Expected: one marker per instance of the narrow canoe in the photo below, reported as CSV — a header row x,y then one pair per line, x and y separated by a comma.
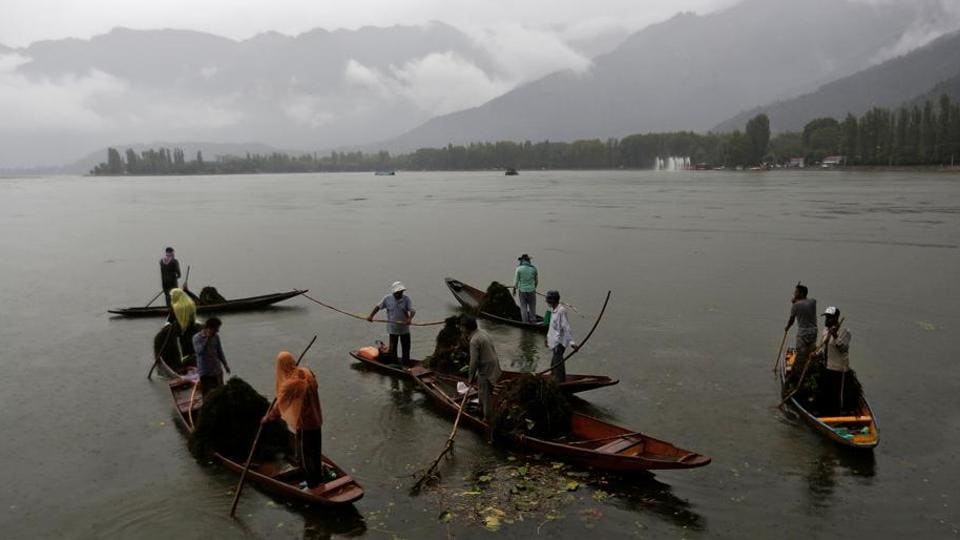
x,y
250,303
856,428
471,298
369,356
591,442
280,477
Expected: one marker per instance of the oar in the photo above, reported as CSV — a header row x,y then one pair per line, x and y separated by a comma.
x,y
780,352
585,339
156,357
256,439
152,300
186,278
807,365
447,447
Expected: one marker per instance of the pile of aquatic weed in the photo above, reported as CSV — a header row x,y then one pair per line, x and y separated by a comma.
x,y
811,387
166,346
531,405
228,422
499,302
209,295
451,354
536,491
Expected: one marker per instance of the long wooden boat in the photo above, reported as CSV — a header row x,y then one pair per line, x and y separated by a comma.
x,y
250,303
282,476
471,298
591,442
370,356
856,428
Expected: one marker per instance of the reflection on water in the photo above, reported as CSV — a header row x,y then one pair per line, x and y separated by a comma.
x,y
529,352
645,494
833,462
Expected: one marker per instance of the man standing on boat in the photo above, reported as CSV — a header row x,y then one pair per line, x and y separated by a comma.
x,y
400,313
484,363
210,358
559,336
298,403
169,272
804,312
837,351
525,283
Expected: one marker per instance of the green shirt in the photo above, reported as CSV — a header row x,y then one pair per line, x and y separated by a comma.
x,y
526,278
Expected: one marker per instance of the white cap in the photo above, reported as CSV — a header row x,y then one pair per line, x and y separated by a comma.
x,y
832,310
397,287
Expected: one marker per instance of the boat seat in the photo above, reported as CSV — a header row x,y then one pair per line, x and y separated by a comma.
x,y
843,419
617,446
334,484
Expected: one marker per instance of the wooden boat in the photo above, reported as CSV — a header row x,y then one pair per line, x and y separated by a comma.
x,y
238,304
471,298
591,442
857,429
280,477
510,171
369,356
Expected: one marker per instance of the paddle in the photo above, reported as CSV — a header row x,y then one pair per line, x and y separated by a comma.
x,y
256,439
807,365
430,473
152,300
585,339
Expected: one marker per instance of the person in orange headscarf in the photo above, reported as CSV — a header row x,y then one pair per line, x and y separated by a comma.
x,y
298,404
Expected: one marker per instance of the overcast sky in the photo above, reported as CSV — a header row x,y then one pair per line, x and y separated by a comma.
x,y
26,21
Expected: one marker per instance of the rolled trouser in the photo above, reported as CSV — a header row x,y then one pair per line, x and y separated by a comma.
x,y
528,306
557,368
486,399
404,340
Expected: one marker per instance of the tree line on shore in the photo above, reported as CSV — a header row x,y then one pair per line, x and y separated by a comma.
x,y
924,134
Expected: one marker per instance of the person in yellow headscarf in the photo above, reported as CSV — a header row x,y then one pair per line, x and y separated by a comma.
x,y
298,404
184,314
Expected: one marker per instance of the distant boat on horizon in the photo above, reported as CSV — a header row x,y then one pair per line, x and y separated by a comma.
x,y
510,171
385,173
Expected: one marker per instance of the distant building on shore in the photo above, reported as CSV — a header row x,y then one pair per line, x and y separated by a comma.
x,y
832,161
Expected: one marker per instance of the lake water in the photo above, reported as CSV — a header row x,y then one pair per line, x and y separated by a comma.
x,y
701,266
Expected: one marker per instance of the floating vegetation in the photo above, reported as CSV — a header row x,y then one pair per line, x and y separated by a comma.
x,y
498,301
451,354
228,422
532,405
537,491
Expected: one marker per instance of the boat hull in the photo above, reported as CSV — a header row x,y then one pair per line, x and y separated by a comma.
x,y
240,304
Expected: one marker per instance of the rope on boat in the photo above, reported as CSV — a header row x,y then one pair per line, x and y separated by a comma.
x,y
362,318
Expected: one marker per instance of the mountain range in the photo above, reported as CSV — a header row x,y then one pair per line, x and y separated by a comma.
x,y
690,72
924,73
405,87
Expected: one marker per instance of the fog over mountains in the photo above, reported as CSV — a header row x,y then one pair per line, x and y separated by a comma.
x,y
405,87
692,72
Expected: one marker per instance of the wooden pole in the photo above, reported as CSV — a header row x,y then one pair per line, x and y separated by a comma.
x,y
154,298
256,439
447,447
584,342
780,352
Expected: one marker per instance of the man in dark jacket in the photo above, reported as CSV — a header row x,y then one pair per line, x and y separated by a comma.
x,y
169,272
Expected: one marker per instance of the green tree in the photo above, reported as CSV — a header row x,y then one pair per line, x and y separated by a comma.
x,y
758,138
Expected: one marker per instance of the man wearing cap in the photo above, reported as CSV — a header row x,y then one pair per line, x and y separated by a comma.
x,y
525,284
837,351
169,272
804,312
559,336
484,363
400,313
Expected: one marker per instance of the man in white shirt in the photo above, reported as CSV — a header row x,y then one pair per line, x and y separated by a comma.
x,y
559,336
837,351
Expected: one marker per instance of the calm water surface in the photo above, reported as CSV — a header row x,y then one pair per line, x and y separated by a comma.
x,y
701,267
